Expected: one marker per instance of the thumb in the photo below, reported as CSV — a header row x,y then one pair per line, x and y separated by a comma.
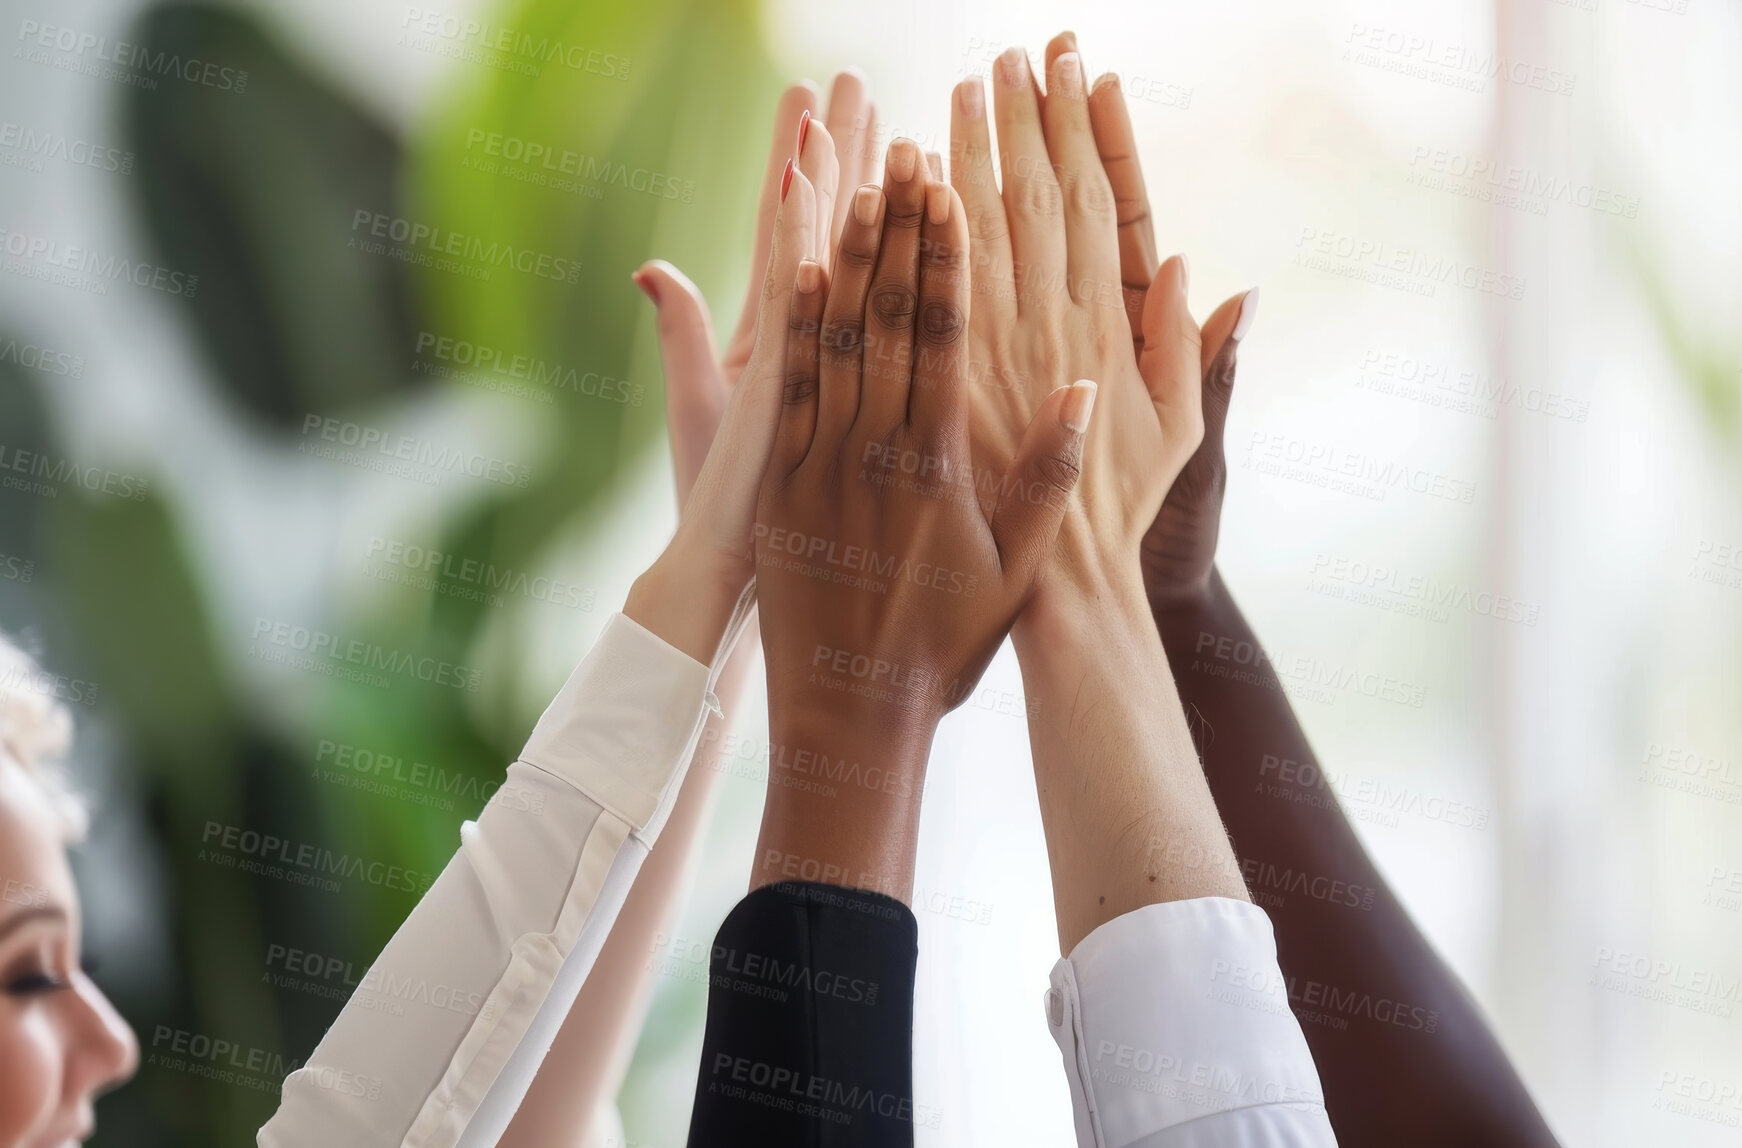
x,y
695,391
1223,332
1038,484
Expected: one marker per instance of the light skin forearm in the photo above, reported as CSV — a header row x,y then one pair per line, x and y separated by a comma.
x,y
1129,819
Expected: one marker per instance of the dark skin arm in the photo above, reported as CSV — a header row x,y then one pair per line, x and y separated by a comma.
x,y
1430,1072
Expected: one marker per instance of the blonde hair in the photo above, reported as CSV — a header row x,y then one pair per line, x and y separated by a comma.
x,y
36,731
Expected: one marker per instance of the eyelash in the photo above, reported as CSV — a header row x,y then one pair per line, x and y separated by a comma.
x,y
36,983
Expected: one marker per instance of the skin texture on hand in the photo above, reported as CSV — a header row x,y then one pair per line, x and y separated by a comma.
x,y
886,583
1433,1074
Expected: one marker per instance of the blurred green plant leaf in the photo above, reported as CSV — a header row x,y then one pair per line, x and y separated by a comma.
x,y
256,189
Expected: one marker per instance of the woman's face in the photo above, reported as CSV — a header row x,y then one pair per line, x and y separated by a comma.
x,y
61,1041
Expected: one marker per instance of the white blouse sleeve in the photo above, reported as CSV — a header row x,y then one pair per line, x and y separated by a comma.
x,y
1176,1033
440,1041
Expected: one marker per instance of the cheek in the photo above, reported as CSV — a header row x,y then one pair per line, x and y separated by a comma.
x,y
30,1085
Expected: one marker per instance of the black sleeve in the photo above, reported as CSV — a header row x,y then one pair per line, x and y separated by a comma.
x,y
810,1022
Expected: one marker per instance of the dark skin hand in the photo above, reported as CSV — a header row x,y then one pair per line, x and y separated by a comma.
x,y
1430,1072
886,580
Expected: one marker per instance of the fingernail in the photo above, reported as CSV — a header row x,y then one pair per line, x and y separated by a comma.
x,y
1070,39
1248,312
866,201
810,276
1074,411
1070,75
903,159
937,203
1106,78
649,287
1185,272
1013,67
971,98
785,181
804,127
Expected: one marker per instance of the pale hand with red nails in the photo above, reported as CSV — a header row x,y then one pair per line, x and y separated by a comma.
x,y
797,217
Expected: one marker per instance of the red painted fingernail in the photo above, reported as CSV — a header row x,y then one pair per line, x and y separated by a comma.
x,y
786,181
804,127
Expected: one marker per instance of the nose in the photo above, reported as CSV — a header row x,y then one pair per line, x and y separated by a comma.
x,y
103,1051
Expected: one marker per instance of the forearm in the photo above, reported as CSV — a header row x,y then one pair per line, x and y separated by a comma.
x,y
1444,1076
1129,820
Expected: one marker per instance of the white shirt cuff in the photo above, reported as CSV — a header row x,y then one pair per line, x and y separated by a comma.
x,y
1176,1031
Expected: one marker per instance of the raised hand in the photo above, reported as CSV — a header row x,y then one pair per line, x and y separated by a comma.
x,y
886,582
687,595
699,379
1047,304
1179,548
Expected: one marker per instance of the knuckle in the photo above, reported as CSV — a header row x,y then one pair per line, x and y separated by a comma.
x,y
904,215
893,304
940,323
844,336
859,248
1059,471
1090,194
799,387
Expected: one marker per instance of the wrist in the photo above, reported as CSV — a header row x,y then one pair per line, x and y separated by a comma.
x,y
686,599
1076,599
843,801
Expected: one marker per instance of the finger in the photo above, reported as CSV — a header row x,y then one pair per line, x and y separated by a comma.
x,y
794,102
1058,46
934,163
1031,191
848,119
887,357
798,407
816,158
1091,229
843,335
1170,364
1117,145
793,238
971,175
1037,486
937,403
695,392
1223,331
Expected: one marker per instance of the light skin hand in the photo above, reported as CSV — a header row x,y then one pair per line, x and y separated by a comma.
x,y
1122,798
687,595
1047,301
887,587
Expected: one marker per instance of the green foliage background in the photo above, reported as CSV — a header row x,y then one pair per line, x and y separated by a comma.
x,y
256,192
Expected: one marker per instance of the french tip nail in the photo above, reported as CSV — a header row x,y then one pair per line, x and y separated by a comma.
x,y
1074,411
786,180
1248,313
804,127
642,279
1185,271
